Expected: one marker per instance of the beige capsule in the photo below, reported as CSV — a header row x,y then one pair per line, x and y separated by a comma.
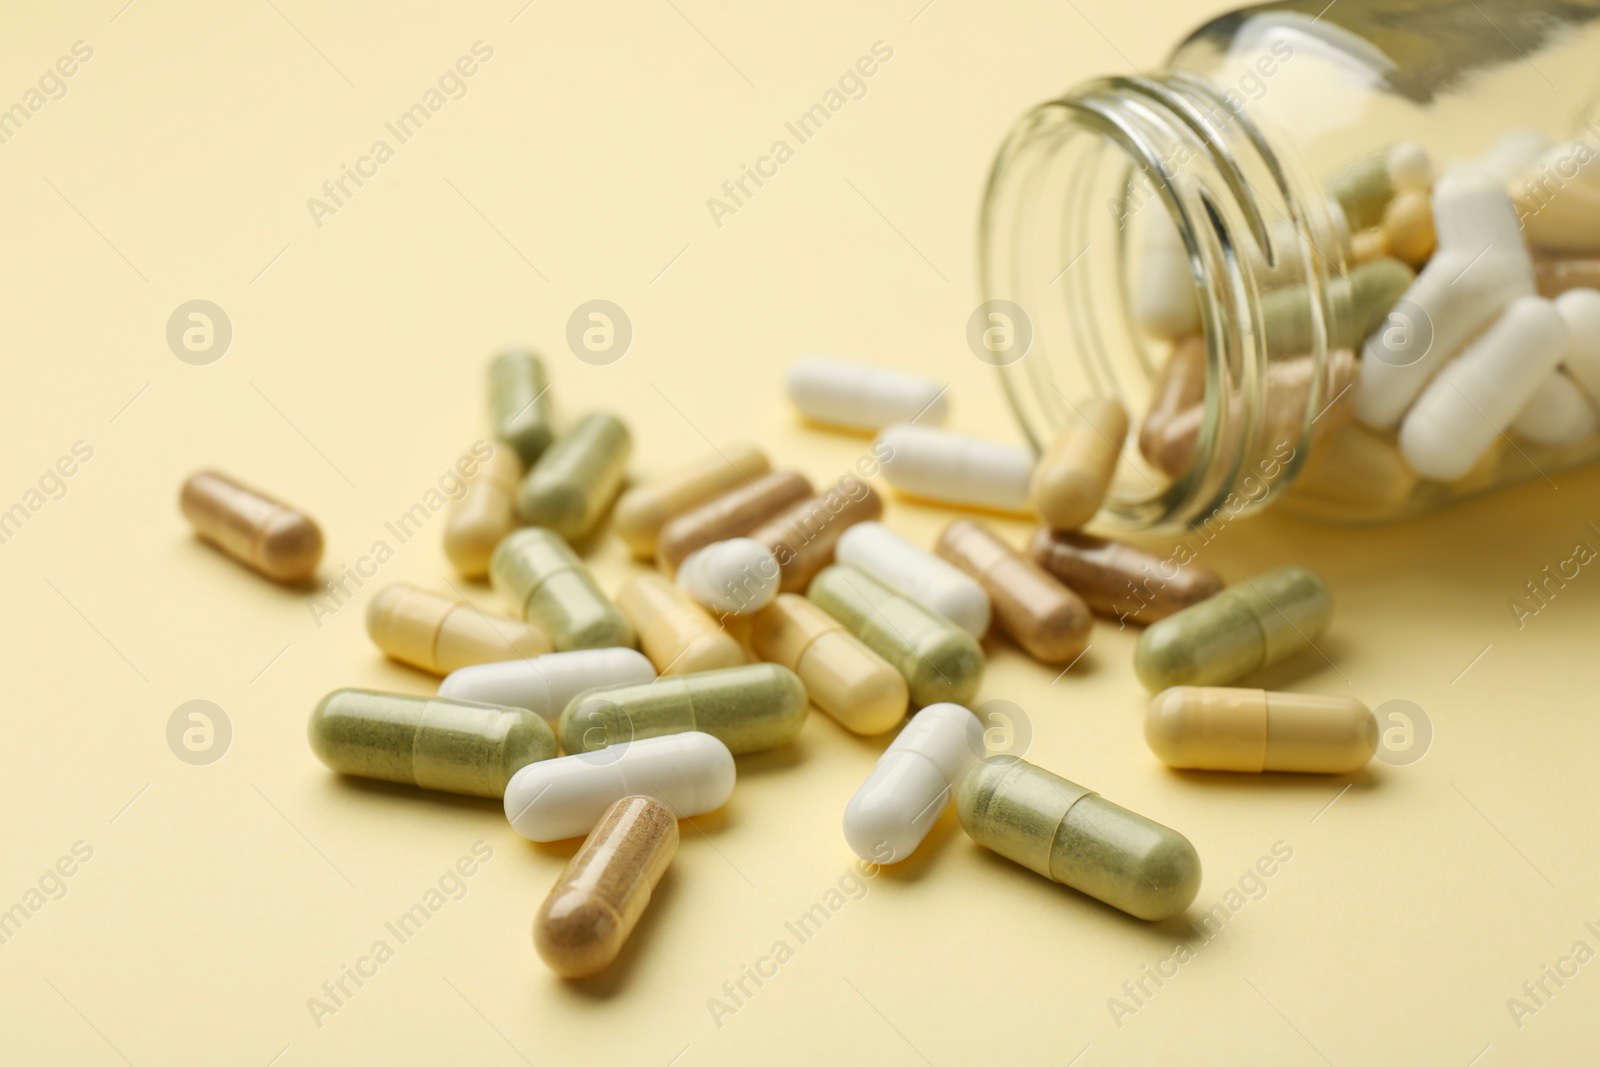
x,y
1120,581
844,677
1179,388
1251,730
1408,227
802,538
644,509
268,537
485,513
1072,477
1369,245
733,514
676,633
1047,619
1554,275
439,635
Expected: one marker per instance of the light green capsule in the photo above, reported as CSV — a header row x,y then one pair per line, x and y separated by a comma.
x,y
940,661
1362,190
519,403
749,709
573,483
1242,629
1075,836
1367,296
550,586
453,745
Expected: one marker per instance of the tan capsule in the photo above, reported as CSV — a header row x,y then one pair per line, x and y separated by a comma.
x,y
1071,478
1120,581
485,514
844,677
1408,227
266,536
676,634
802,538
1554,275
1251,730
1047,619
595,904
644,509
733,514
1178,389
1368,245
439,635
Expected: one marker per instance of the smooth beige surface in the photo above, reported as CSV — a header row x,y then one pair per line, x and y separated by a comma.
x,y
219,898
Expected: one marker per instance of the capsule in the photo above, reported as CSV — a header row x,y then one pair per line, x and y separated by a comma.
x,y
1244,628
644,509
519,403
1072,477
738,576
1119,581
1252,730
577,478
1408,227
950,469
450,745
859,397
595,904
1047,619
802,538
843,677
733,514
690,773
1179,389
938,659
268,537
1078,838
484,514
912,783
440,635
540,573
915,574
674,631
546,684
750,709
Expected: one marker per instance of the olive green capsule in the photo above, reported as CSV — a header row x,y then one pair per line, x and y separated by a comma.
x,y
573,483
1075,836
519,403
939,660
1367,296
453,745
748,708
550,586
1242,629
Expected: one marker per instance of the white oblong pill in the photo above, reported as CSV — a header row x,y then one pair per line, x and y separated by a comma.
x,y
943,466
738,576
918,575
1164,299
544,684
1581,309
913,782
691,773
1557,414
1408,165
863,397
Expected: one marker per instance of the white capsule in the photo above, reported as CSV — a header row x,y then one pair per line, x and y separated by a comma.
x,y
739,576
1409,166
1558,414
1476,396
862,397
918,575
545,684
912,784
943,466
691,773
1581,310
1164,300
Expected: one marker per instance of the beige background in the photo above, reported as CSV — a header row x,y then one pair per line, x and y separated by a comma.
x,y
219,898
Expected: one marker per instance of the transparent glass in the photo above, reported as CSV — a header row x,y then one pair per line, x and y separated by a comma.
x,y
1216,243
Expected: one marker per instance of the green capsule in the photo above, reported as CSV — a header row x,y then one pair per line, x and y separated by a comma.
x,y
550,586
1366,297
1242,629
940,661
453,745
749,709
1362,190
1075,836
519,403
573,483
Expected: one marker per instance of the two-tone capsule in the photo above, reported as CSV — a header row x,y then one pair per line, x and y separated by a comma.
x,y
486,512
860,397
674,631
519,403
1072,477
921,576
802,538
440,635
1119,581
268,537
912,783
733,514
546,684
1251,730
551,587
577,478
749,709
645,508
1047,619
843,677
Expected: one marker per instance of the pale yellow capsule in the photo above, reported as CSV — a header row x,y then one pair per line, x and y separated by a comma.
x,y
643,510
440,635
1071,478
1369,245
845,678
1251,730
676,634
485,514
1408,227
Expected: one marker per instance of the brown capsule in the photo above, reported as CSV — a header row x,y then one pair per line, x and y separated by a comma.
x,y
1178,390
677,634
1071,478
485,513
640,512
803,537
266,536
1047,619
1120,581
595,904
732,514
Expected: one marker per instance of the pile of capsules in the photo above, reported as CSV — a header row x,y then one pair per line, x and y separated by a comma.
x,y
771,595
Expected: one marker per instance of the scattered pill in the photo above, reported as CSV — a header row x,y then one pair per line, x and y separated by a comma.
x,y
738,576
449,745
1408,228
1164,302
1047,619
439,635
1558,414
519,403
1368,245
802,538
546,684
1363,188
644,509
268,537
948,468
595,904
1369,292
577,478
921,576
861,397
486,512
749,709
1251,730
550,586
843,677
733,514
674,631
1072,477
1120,581
912,783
